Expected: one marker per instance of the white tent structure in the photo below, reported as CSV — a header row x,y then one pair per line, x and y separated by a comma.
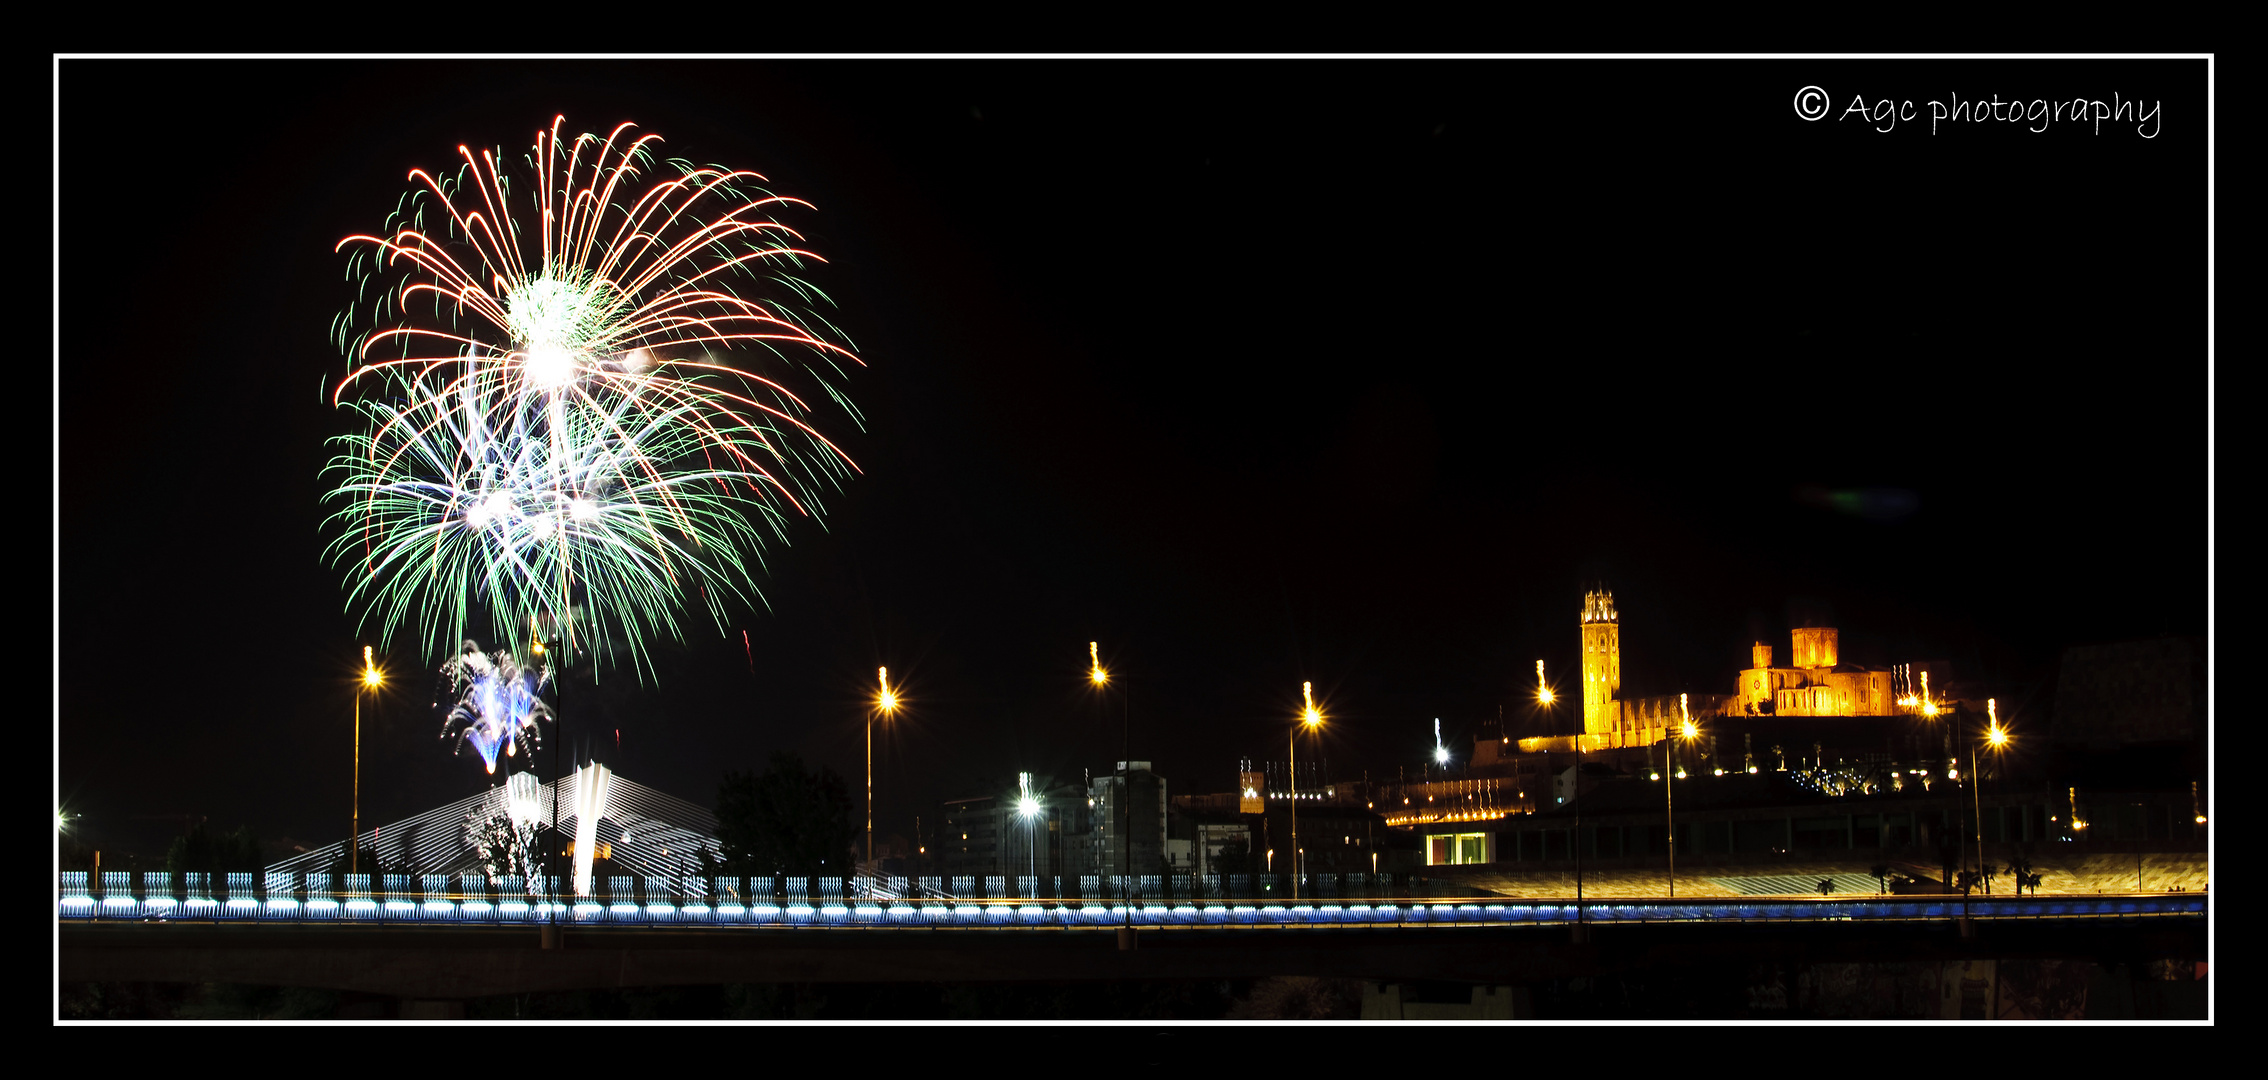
x,y
633,828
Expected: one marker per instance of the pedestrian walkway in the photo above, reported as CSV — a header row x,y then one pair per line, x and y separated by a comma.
x,y
2061,873
1790,885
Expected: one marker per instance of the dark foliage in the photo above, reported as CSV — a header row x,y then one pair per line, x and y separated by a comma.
x,y
202,851
365,861
788,820
2020,868
1235,858
192,1001
1300,997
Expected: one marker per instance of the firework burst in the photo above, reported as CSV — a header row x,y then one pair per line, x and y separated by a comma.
x,y
502,702
586,397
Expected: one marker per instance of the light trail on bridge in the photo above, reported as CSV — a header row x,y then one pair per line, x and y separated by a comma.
x,y
436,902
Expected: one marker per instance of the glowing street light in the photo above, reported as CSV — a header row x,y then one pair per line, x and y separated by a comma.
x,y
1099,678
1672,772
1311,719
1543,691
372,679
1028,808
1995,738
885,703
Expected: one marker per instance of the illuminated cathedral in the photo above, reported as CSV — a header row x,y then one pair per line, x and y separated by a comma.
x,y
1817,684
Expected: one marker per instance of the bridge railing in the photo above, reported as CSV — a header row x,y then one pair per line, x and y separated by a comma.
x,y
1000,901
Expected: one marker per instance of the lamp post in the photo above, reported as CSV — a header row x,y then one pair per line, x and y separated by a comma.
x,y
1671,770
1996,738
372,679
555,850
1027,808
1544,699
2142,819
885,702
1311,719
1575,792
1669,817
1100,677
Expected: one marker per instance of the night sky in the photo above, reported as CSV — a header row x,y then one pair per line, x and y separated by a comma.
x,y
1353,371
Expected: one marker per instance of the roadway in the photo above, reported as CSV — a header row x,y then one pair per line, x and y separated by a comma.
x,y
460,961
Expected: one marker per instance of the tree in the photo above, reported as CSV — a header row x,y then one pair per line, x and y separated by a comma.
x,y
1235,858
1948,853
366,861
201,852
788,820
1300,997
2020,868
1826,886
1881,875
711,869
505,848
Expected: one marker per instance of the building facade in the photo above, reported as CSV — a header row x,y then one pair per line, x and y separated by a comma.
x,y
1818,684
992,835
1610,720
1128,822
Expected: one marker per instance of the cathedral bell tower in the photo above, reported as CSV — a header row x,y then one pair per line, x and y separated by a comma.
x,y
1602,662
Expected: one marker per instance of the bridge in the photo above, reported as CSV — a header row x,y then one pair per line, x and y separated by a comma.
x,y
438,940
1332,901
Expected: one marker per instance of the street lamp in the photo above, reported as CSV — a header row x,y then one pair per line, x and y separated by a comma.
x,y
1671,771
372,679
2142,819
1028,808
885,703
1100,678
1311,719
1995,738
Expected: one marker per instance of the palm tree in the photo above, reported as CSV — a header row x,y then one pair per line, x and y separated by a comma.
x,y
2020,868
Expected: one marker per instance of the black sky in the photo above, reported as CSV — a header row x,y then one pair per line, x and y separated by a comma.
x,y
1255,371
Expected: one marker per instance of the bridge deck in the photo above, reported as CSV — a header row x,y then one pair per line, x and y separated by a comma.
x,y
440,909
